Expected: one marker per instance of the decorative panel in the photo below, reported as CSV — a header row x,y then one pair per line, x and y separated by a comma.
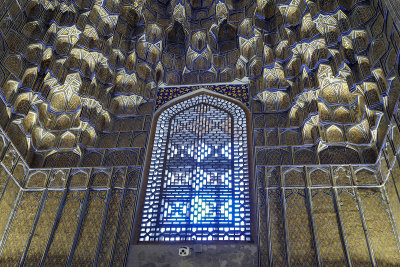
x,y
198,184
237,91
392,190
108,238
90,230
21,226
300,232
80,81
277,228
380,226
327,228
263,227
125,227
42,231
63,237
8,203
356,238
3,179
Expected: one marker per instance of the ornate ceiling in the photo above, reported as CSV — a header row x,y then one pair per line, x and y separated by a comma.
x,y
80,80
77,76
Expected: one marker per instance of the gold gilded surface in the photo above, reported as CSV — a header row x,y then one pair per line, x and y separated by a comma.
x,y
80,80
110,230
301,245
65,230
20,171
380,228
21,227
277,227
10,157
327,228
7,203
3,178
37,178
100,177
58,178
79,177
392,189
262,227
353,228
126,223
43,228
319,176
85,251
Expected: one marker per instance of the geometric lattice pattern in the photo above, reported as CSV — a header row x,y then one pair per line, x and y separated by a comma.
x,y
64,216
323,214
80,80
236,90
198,184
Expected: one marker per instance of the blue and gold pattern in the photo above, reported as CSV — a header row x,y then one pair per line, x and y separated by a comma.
x,y
77,87
237,91
201,190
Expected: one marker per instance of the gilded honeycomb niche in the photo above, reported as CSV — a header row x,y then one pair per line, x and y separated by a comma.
x,y
81,80
89,70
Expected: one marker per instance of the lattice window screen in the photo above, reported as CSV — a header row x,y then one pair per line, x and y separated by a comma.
x,y
198,183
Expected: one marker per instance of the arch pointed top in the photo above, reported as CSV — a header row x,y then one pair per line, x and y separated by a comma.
x,y
236,92
198,92
198,157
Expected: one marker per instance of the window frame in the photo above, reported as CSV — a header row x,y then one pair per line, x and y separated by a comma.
x,y
146,170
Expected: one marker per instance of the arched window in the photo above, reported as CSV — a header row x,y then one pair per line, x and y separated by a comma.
x,y
198,185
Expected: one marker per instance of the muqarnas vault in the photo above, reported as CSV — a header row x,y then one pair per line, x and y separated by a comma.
x,y
84,83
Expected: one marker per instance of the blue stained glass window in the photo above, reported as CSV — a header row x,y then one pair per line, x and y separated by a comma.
x,y
198,183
